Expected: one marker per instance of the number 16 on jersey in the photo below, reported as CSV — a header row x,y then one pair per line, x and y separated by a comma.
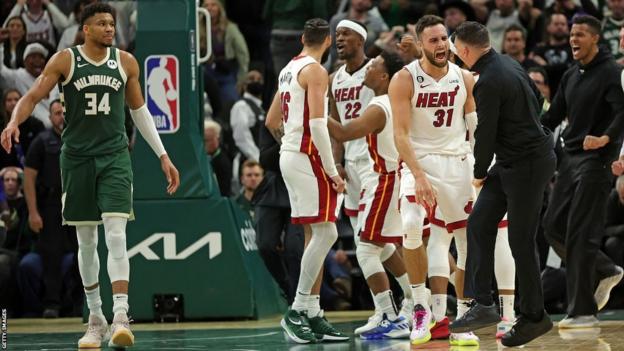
x,y
284,100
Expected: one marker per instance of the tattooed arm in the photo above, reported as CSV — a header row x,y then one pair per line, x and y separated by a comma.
x,y
274,122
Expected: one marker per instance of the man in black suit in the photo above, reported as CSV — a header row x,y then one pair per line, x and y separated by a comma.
x,y
282,256
508,108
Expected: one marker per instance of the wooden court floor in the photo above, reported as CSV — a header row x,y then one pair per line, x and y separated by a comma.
x,y
62,334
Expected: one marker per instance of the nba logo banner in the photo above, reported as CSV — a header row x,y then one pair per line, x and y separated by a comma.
x,y
162,91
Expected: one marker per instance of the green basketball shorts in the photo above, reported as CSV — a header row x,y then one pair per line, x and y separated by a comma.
x,y
96,187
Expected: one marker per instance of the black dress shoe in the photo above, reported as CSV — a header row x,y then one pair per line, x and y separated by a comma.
x,y
525,330
478,316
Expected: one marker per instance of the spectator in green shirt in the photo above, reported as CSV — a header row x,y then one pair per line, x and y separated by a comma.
x,y
251,176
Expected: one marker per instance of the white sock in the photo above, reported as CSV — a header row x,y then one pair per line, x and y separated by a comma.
x,y
314,305
507,307
301,302
94,302
439,306
386,303
462,307
405,286
120,303
419,294
377,308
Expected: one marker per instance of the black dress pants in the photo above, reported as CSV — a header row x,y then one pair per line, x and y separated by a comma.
x,y
282,259
517,189
575,222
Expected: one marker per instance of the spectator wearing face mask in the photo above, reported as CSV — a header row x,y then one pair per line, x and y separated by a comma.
x,y
247,116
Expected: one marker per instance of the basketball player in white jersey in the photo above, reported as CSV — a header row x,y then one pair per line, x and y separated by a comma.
x,y
348,98
381,218
310,175
429,99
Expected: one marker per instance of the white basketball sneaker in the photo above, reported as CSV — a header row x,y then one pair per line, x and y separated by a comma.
x,y
372,323
407,307
464,339
388,329
121,336
97,332
421,325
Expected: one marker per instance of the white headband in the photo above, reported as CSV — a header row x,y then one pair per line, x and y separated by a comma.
x,y
353,26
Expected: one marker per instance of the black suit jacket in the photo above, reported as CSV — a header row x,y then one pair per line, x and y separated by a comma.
x,y
271,191
508,107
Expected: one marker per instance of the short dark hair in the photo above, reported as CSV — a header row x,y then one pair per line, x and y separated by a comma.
x,y
473,34
250,164
427,21
516,28
592,22
93,9
392,62
540,70
550,18
55,101
315,31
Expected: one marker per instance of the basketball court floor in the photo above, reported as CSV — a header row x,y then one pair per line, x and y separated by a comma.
x,y
62,334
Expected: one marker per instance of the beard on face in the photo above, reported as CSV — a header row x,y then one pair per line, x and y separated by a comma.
x,y
560,36
431,58
345,54
105,44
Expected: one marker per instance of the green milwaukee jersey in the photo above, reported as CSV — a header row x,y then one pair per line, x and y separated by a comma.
x,y
94,98
611,36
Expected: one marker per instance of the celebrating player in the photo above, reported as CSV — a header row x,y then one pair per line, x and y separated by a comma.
x,y
429,101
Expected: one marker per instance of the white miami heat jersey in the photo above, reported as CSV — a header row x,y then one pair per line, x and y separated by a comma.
x,y
437,121
294,105
381,146
351,98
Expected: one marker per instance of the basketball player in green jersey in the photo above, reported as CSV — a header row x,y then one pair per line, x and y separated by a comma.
x,y
96,80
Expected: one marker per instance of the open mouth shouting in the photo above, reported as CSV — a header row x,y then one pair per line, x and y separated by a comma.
x,y
576,50
340,47
441,55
